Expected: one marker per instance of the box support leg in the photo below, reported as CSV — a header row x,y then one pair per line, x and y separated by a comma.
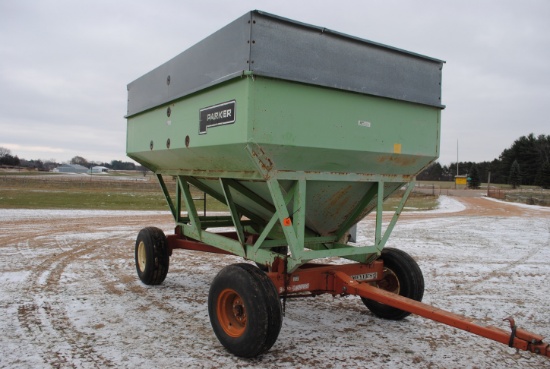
x,y
235,216
380,240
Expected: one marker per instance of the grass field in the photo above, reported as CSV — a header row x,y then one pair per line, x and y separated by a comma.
x,y
85,192
122,191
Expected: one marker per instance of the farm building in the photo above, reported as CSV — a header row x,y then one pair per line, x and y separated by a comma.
x,y
99,169
71,168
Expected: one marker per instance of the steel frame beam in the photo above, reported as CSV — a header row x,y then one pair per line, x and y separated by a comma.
x,y
288,208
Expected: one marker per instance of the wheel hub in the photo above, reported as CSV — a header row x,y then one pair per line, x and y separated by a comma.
x,y
231,313
238,311
389,281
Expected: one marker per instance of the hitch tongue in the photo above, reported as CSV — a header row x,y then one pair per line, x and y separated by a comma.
x,y
519,338
533,342
513,327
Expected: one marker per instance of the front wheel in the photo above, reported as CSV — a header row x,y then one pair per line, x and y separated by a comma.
x,y
151,256
402,276
245,311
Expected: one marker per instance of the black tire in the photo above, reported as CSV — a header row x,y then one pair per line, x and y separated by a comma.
x,y
245,310
151,256
403,276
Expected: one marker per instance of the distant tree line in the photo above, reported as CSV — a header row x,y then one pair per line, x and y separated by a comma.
x,y
526,162
114,164
7,159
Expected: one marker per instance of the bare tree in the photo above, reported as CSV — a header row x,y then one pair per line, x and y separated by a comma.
x,y
81,161
4,152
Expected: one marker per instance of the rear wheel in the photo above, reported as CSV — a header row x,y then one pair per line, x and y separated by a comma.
x,y
402,276
245,311
151,256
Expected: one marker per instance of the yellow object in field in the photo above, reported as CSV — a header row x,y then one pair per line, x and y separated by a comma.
x,y
461,180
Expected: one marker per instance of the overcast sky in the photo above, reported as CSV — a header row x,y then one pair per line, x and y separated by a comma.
x,y
64,65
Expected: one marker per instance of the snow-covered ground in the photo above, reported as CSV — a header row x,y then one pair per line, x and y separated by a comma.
x,y
69,296
445,205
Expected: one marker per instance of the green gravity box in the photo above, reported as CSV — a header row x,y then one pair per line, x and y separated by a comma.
x,y
297,121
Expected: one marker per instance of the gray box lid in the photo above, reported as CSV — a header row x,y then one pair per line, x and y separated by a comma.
x,y
272,46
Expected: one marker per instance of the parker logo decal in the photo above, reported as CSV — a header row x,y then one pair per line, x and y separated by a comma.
x,y
216,115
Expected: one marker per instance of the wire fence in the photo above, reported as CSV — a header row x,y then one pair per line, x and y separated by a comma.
x,y
529,196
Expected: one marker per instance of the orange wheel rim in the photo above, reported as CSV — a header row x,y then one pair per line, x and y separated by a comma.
x,y
231,313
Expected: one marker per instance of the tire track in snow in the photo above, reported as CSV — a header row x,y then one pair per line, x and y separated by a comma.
x,y
506,267
179,300
45,320
185,338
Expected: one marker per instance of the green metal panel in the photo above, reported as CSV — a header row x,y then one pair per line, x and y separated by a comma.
x,y
220,148
308,128
298,128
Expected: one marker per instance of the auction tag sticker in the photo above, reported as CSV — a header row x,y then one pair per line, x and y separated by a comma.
x,y
365,277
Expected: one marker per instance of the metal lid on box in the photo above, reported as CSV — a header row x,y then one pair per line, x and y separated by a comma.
x,y
271,46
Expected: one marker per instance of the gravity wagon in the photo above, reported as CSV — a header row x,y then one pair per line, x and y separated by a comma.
x,y
301,132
